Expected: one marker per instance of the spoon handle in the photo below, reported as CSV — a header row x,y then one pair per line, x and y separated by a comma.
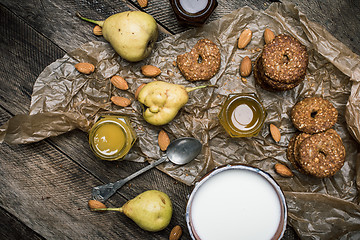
x,y
104,192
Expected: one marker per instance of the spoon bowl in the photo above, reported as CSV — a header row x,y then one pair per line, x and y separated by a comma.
x,y
183,150
180,152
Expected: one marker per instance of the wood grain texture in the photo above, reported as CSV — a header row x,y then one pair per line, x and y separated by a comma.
x,y
46,185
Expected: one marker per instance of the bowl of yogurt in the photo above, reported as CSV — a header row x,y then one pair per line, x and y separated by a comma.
x,y
236,202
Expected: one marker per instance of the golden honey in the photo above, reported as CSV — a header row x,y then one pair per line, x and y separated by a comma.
x,y
242,115
112,137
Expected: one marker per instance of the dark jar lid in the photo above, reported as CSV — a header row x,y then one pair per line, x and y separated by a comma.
x,y
193,12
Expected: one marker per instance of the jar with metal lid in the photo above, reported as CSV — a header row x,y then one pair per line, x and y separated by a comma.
x,y
193,12
112,137
242,115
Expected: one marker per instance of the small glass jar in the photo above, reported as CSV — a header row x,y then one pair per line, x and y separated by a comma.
x,y
193,12
112,137
242,115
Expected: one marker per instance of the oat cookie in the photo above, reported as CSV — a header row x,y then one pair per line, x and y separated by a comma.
x,y
201,63
314,115
322,154
299,139
285,59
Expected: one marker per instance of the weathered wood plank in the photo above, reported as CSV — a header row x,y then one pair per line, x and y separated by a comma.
x,y
11,228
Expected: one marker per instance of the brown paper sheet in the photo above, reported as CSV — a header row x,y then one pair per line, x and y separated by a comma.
x,y
64,99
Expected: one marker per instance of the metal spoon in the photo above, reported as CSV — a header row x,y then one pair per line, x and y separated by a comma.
x,y
180,152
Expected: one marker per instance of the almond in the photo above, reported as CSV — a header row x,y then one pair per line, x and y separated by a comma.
x,y
245,38
85,68
119,82
175,233
138,90
121,101
142,3
283,170
97,30
268,35
150,71
94,204
163,140
275,133
245,67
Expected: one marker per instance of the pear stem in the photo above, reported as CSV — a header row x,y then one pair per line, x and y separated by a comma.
x,y
189,89
100,23
108,209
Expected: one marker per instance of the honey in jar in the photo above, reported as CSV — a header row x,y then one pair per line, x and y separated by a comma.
x,y
111,137
193,12
242,115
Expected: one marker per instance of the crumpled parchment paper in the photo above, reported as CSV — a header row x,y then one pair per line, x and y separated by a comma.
x,y
63,99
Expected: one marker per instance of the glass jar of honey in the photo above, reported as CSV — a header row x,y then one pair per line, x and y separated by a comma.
x,y
112,137
242,115
193,12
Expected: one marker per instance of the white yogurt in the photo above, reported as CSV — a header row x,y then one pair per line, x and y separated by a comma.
x,y
235,204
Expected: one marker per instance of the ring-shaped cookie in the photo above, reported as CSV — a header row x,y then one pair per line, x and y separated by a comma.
x,y
201,63
322,154
285,59
314,115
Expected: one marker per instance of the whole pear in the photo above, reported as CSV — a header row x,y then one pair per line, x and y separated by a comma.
x,y
132,33
163,100
150,210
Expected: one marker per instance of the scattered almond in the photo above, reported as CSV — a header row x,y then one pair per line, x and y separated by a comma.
x,y
94,204
283,170
150,70
268,35
119,82
85,68
275,133
97,30
163,140
121,101
175,233
245,67
245,38
143,3
138,90
244,80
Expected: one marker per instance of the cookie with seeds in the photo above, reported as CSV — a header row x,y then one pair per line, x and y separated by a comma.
x,y
314,115
322,154
285,59
201,63
298,140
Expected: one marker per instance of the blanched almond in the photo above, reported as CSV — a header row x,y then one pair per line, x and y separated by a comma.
x,y
85,68
245,38
150,70
121,101
119,82
163,140
275,133
283,170
245,67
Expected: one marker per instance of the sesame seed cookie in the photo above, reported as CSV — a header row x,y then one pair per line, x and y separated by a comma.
x,y
322,154
201,63
314,115
285,59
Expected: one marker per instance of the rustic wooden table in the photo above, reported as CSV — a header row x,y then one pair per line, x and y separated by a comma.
x,y
45,186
